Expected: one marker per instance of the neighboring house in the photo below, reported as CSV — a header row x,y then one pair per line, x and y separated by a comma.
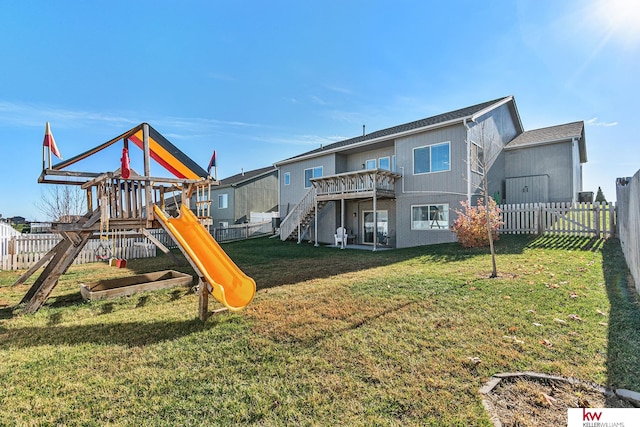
x,y
238,196
399,186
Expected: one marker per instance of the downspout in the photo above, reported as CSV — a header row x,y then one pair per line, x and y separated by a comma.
x,y
468,141
576,187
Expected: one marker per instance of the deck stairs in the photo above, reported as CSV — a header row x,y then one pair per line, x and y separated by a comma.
x,y
298,221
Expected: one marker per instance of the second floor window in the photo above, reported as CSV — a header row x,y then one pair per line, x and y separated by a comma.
x,y
223,201
477,158
287,178
311,173
432,158
384,163
370,164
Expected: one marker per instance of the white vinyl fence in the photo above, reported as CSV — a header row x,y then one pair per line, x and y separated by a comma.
x,y
6,233
21,251
575,219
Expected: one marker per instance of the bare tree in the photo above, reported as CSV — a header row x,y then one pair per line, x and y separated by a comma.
x,y
484,151
62,203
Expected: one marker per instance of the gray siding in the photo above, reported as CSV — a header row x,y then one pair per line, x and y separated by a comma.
x,y
554,160
448,187
493,131
290,195
446,181
259,195
225,215
406,237
528,189
356,161
256,195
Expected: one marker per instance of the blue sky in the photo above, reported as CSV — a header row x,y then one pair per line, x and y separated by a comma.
x,y
263,81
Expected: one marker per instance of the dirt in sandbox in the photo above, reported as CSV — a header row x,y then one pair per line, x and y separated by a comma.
x,y
540,402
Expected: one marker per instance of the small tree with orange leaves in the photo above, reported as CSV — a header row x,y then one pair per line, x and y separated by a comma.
x,y
471,225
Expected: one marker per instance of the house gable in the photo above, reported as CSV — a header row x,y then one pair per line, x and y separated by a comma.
x,y
553,155
440,120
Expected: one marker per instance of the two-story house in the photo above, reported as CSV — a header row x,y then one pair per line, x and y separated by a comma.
x,y
399,186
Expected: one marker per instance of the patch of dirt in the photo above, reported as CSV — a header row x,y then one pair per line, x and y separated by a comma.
x,y
524,401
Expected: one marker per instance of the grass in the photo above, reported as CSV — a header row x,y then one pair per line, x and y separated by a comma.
x,y
332,337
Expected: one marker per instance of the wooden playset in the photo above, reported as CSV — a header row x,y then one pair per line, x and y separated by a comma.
x,y
123,201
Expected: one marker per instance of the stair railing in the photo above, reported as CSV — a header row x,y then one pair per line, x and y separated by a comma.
x,y
293,220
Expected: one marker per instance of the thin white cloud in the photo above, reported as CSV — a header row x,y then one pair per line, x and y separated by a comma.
x,y
35,115
199,123
318,100
339,89
594,122
221,77
25,114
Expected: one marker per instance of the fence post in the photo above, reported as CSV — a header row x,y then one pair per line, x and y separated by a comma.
x,y
598,206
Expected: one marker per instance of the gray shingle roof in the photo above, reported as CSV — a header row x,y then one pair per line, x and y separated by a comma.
x,y
546,135
241,177
429,121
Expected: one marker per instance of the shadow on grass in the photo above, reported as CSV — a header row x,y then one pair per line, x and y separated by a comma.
x,y
623,351
273,263
130,334
574,243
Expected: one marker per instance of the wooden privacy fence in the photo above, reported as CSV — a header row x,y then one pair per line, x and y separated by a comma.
x,y
575,219
24,250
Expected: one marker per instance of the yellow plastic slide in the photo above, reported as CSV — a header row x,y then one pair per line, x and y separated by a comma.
x,y
230,285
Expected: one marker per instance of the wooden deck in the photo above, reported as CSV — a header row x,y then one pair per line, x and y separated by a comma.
x,y
364,184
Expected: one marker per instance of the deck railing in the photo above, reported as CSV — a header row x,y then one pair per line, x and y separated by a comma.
x,y
354,183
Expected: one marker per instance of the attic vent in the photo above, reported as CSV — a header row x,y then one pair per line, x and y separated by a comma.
x,y
363,130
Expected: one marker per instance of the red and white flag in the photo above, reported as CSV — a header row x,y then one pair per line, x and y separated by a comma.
x,y
50,142
212,162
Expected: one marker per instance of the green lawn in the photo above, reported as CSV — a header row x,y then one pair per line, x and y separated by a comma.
x,y
333,337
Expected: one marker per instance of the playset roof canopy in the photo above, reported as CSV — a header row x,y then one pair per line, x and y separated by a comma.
x,y
160,149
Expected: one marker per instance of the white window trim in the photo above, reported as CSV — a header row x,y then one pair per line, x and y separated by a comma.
x,y
304,174
413,155
375,164
475,163
447,228
394,166
385,157
287,178
226,199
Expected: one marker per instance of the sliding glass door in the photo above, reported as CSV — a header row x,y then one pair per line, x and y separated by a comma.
x,y
369,227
